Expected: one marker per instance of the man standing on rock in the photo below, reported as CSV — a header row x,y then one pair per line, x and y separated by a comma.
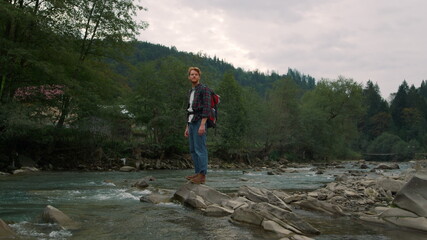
x,y
196,129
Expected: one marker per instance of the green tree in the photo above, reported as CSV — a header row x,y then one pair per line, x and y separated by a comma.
x,y
284,117
232,124
59,45
408,110
160,102
389,147
329,117
399,103
258,119
376,118
423,89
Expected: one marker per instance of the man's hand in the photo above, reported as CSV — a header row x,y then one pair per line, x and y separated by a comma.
x,y
186,132
202,129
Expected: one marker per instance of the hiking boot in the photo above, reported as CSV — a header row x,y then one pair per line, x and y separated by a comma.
x,y
191,176
199,179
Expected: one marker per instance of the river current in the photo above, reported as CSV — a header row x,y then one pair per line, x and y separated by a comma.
x,y
109,208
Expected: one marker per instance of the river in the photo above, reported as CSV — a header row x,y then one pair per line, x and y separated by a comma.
x,y
109,208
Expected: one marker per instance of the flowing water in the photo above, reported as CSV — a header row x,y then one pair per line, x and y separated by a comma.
x,y
109,208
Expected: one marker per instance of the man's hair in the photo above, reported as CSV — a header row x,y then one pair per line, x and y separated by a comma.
x,y
195,69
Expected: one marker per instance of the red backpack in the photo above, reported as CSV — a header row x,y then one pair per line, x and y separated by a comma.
x,y
215,100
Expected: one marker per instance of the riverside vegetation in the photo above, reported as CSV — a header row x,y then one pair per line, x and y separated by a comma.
x,y
82,93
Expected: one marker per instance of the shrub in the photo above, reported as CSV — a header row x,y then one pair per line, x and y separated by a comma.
x,y
388,147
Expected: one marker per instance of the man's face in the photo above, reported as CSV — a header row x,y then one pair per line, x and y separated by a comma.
x,y
194,77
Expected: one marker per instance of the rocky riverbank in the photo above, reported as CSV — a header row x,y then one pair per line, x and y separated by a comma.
x,y
370,194
393,201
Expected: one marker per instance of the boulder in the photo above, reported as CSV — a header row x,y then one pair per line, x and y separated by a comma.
x,y
195,201
281,194
413,195
215,210
274,227
321,206
351,194
155,198
276,201
54,215
379,210
341,178
26,170
195,194
30,169
390,184
419,223
143,182
370,193
372,219
6,232
265,211
127,169
364,166
396,212
253,194
300,237
246,215
284,217
388,167
262,195
295,198
235,203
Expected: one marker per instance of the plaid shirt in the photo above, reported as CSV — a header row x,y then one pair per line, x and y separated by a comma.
x,y
202,102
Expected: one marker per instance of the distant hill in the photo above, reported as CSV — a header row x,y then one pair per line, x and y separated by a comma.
x,y
147,52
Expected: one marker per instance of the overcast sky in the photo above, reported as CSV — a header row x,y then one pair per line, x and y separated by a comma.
x,y
379,40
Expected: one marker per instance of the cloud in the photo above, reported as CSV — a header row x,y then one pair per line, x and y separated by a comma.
x,y
378,40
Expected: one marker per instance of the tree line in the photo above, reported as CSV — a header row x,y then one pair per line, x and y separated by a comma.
x,y
77,88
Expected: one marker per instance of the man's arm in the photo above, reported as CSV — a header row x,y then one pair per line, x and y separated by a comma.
x,y
206,104
202,128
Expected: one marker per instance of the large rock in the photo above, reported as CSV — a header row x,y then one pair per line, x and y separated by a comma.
x,y
300,237
26,170
143,182
389,184
235,203
265,211
263,195
276,201
372,219
127,169
246,215
195,201
274,227
215,210
396,212
388,166
419,223
6,232
199,195
413,195
253,194
321,206
54,215
156,198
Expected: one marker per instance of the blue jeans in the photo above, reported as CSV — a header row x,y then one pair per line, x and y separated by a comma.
x,y
198,149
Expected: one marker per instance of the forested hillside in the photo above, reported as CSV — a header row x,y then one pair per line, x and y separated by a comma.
x,y
82,92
